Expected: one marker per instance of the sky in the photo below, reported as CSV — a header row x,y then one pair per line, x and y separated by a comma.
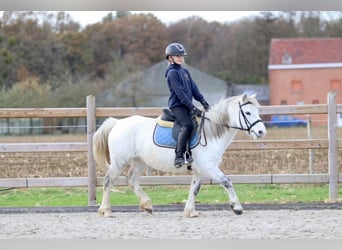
x,y
167,17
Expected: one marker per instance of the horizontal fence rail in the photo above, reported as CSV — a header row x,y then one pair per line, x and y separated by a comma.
x,y
91,113
235,145
150,112
43,147
167,180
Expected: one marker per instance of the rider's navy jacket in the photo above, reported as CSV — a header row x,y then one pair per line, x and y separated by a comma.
x,y
182,87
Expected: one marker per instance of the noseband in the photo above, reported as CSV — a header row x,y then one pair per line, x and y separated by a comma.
x,y
242,116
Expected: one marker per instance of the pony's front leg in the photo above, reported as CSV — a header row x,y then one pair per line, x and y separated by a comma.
x,y
227,183
105,208
189,209
133,176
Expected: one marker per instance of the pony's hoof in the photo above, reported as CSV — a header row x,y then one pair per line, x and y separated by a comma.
x,y
105,213
191,214
238,212
100,212
148,210
108,214
237,209
146,206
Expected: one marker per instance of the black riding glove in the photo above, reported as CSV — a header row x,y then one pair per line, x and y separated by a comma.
x,y
196,111
205,105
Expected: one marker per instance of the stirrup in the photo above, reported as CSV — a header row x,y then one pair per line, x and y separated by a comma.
x,y
185,159
188,158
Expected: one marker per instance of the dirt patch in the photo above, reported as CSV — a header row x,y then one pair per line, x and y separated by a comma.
x,y
281,224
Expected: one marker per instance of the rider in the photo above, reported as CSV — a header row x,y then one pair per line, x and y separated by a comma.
x,y
182,90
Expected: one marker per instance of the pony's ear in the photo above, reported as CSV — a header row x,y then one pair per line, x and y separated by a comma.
x,y
254,95
244,98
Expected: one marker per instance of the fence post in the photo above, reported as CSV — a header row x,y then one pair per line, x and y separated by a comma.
x,y
332,153
311,151
91,128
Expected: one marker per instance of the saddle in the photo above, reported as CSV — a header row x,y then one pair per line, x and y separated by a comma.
x,y
167,129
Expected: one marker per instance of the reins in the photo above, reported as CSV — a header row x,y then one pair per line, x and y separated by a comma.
x,y
201,129
248,124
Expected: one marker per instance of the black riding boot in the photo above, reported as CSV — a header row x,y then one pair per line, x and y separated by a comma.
x,y
181,148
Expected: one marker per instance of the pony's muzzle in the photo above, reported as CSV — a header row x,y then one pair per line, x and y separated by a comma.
x,y
260,133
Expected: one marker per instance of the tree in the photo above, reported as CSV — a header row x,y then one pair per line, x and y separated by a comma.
x,y
310,24
77,53
32,48
135,40
334,24
195,34
24,94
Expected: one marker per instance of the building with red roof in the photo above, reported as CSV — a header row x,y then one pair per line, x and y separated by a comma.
x,y
305,70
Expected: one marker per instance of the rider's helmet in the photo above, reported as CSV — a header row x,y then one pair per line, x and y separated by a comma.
x,y
175,49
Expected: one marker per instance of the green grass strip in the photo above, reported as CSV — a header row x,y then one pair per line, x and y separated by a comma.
x,y
162,195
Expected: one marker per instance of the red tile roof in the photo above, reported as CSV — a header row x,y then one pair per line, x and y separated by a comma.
x,y
306,50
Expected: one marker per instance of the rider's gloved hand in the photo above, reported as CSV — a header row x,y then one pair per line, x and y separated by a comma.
x,y
205,105
196,111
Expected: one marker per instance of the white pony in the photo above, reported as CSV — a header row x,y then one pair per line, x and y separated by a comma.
x,y
128,141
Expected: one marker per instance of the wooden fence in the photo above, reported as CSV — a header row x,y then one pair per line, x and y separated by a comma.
x,y
332,143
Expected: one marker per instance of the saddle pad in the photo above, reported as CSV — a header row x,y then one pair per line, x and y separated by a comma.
x,y
162,137
163,123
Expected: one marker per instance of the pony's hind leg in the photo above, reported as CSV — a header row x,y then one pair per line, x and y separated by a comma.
x,y
112,174
189,209
133,176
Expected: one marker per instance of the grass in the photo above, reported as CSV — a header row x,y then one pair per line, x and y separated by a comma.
x,y
162,195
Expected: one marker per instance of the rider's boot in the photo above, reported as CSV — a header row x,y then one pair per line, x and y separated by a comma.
x,y
180,148
179,160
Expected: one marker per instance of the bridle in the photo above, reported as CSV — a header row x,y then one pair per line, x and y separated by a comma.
x,y
242,118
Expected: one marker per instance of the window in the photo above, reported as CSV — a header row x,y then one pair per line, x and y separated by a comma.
x,y
296,86
335,84
286,59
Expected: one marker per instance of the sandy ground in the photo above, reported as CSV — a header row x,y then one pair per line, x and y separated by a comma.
x,y
254,224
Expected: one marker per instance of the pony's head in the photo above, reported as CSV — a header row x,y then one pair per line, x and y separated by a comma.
x,y
239,112
244,115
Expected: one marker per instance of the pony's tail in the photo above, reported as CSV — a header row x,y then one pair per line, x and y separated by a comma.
x,y
100,142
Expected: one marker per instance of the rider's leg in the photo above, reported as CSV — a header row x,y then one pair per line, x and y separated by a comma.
x,y
182,142
183,117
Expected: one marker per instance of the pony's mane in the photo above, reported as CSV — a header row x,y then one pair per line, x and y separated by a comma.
x,y
219,116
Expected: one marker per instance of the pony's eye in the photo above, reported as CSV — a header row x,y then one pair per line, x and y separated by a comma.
x,y
248,113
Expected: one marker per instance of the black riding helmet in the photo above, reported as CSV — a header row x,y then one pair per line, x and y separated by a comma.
x,y
175,49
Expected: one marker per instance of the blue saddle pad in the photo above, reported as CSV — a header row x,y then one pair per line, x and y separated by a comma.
x,y
162,136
